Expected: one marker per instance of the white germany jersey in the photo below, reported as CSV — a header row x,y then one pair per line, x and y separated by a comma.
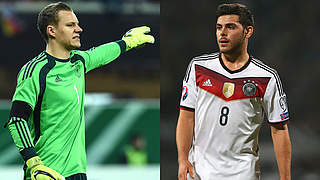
x,y
229,108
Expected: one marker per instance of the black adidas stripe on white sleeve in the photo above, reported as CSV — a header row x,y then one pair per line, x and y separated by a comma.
x,y
272,71
199,58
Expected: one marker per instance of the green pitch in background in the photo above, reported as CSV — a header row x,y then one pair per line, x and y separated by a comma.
x,y
109,128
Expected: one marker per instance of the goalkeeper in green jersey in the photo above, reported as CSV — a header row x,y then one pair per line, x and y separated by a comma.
x,y
50,94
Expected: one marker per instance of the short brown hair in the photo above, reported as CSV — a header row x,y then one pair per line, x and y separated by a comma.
x,y
49,16
245,16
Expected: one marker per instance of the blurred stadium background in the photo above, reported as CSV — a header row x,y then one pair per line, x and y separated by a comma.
x,y
286,38
122,98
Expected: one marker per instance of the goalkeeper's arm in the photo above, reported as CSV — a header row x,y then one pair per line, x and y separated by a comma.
x,y
19,130
106,53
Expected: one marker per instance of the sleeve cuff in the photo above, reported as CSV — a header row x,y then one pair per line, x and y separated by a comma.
x,y
28,153
278,123
123,45
187,108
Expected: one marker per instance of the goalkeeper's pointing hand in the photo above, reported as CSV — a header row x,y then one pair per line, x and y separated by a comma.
x,y
136,37
40,171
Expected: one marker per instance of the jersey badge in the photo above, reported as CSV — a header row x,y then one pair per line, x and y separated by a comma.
x,y
184,93
207,83
284,116
228,89
283,103
78,73
58,79
249,89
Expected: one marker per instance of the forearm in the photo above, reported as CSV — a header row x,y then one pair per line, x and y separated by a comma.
x,y
19,129
282,149
184,134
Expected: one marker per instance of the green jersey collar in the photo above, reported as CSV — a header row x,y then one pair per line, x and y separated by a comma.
x,y
56,59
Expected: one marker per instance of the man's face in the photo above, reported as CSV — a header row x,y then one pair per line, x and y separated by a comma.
x,y
230,34
68,30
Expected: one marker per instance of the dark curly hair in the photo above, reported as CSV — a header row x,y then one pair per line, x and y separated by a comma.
x,y
245,16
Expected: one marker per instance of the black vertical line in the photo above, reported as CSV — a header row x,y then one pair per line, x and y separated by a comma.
x,y
24,72
25,131
42,84
23,134
24,145
34,66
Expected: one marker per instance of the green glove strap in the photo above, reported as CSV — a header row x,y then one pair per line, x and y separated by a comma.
x,y
137,37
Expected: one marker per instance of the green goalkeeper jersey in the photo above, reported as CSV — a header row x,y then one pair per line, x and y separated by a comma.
x,y
54,90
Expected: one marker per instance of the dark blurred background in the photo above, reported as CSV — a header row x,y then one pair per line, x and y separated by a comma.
x,y
286,38
122,106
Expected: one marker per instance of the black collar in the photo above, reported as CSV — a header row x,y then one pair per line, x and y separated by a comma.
x,y
56,59
235,71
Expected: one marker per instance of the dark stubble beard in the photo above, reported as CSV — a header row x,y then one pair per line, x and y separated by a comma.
x,y
236,49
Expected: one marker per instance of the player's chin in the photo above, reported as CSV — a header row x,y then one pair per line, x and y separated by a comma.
x,y
224,49
76,45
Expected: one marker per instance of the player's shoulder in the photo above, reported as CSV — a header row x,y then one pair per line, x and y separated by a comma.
x,y
33,67
76,52
80,53
261,66
77,55
271,72
201,60
206,57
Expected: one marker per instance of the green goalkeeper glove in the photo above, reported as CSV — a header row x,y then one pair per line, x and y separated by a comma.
x,y
136,37
41,172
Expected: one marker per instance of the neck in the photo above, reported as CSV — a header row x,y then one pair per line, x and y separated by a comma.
x,y
57,51
235,57
235,61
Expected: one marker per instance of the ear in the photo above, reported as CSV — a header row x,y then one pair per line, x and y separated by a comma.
x,y
51,31
248,31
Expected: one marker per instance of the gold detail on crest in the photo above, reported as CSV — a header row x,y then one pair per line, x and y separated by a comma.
x,y
228,89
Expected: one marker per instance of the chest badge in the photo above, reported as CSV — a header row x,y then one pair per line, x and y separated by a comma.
x,y
228,89
249,89
78,72
58,79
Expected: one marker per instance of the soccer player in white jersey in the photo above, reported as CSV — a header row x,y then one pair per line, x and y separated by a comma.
x,y
225,97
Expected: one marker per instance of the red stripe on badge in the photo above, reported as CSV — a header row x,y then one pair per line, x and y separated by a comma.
x,y
230,89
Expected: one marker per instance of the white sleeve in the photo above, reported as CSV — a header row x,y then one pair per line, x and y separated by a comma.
x,y
275,102
189,94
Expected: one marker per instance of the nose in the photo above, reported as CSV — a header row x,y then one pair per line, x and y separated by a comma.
x,y
223,31
78,29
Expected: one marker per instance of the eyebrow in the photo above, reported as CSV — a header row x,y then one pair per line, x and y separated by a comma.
x,y
72,22
231,23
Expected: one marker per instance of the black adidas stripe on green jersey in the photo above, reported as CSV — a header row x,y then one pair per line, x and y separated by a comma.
x,y
32,64
25,136
19,125
37,110
55,108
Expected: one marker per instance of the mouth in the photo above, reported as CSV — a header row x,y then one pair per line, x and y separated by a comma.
x,y
223,42
76,38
